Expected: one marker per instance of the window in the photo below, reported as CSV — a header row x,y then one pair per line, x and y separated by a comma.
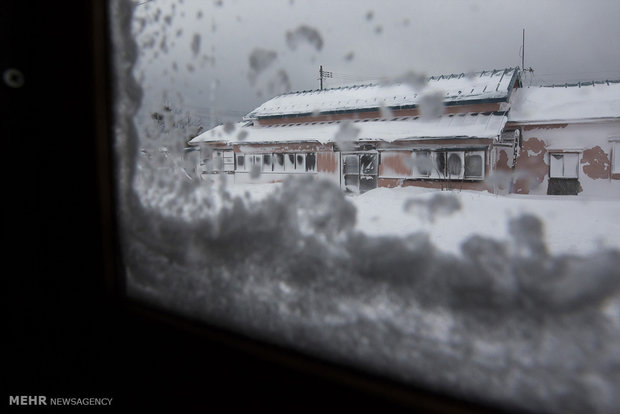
x,y
311,162
369,164
279,268
359,172
451,165
455,165
254,162
289,162
221,160
278,162
563,174
439,170
351,172
228,158
300,162
240,162
351,164
563,165
474,165
267,162
422,164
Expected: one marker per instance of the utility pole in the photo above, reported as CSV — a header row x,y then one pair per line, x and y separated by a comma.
x,y
523,70
324,74
523,52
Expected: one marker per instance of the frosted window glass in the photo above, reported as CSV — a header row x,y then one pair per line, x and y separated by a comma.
x,y
571,165
556,166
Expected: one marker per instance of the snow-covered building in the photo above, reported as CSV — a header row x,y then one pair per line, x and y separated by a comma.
x,y
451,131
570,139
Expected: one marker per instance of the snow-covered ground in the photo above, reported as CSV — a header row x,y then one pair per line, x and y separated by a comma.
x,y
465,292
571,225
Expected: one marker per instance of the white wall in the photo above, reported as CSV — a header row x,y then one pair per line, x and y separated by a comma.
x,y
580,137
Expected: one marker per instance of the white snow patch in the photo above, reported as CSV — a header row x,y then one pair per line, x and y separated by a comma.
x,y
536,104
571,225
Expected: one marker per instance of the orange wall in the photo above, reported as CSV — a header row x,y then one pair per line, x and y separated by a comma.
x,y
395,164
327,162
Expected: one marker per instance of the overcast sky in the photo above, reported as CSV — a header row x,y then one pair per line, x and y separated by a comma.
x,y
219,59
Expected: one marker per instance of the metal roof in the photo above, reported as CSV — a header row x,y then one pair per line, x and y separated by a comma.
x,y
486,86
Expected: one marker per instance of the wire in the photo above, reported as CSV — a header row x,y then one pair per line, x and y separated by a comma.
x,y
352,77
579,73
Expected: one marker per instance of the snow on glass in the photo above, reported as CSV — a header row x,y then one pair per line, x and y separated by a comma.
x,y
506,320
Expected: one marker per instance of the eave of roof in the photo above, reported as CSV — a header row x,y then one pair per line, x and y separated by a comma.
x,y
516,122
471,125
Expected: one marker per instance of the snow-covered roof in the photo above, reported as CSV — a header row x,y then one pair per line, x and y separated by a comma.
x,y
589,101
471,125
486,86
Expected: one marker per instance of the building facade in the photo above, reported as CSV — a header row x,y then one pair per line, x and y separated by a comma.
x,y
570,139
456,131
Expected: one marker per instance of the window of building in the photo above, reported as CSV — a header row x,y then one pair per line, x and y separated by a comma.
x,y
311,161
267,162
222,160
439,170
369,164
240,162
563,165
452,165
455,165
289,162
300,162
474,165
422,164
351,172
563,174
278,162
351,164
254,162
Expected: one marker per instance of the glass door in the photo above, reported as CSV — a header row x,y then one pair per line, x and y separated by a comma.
x,y
359,172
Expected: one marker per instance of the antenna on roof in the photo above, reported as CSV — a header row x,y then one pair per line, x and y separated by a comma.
x,y
324,74
522,53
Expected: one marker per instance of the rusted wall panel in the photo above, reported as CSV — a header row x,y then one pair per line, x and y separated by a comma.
x,y
395,164
525,127
389,182
327,162
545,126
503,161
596,163
531,164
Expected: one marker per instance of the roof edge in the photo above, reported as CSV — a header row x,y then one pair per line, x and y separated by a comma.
x,y
563,121
378,108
